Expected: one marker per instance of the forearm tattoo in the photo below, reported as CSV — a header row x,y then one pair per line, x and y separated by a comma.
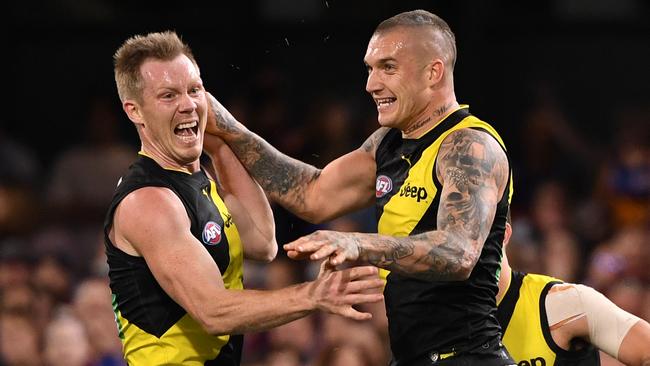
x,y
387,251
474,170
282,177
432,256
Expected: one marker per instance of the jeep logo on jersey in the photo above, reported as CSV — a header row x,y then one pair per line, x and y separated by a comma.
x,y
212,233
420,193
538,361
383,186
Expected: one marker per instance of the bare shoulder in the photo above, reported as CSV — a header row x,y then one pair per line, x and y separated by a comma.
x,y
476,154
149,213
153,199
372,142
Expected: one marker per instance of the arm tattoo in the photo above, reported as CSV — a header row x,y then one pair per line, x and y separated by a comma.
x,y
474,170
388,252
225,121
372,142
282,177
432,256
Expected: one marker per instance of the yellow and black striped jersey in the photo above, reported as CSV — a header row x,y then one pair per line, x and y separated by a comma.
x,y
153,328
426,315
527,335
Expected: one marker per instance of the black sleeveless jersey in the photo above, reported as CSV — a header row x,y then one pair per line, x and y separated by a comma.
x,y
153,328
424,316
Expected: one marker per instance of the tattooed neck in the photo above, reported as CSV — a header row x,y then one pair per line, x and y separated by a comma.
x,y
436,113
440,111
417,125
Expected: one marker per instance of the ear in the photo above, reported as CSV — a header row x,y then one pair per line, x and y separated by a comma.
x,y
436,71
133,111
507,234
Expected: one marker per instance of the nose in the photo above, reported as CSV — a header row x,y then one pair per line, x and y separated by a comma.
x,y
373,84
186,103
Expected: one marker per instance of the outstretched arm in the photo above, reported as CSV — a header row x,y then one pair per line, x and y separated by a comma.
x,y
152,223
473,170
344,185
634,349
578,311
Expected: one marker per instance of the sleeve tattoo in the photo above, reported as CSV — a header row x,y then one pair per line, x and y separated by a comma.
x,y
372,142
282,177
474,170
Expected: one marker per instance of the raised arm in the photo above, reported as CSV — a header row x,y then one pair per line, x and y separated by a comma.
x,y
151,222
473,170
344,185
245,200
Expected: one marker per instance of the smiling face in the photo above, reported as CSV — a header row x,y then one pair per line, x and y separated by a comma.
x,y
399,75
172,115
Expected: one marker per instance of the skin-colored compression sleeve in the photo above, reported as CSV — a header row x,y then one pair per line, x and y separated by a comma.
x,y
608,324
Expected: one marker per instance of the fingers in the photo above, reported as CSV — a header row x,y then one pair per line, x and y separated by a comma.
x,y
324,252
364,298
304,248
304,245
337,258
326,266
338,290
354,285
363,271
349,312
366,290
352,313
297,255
316,251
366,286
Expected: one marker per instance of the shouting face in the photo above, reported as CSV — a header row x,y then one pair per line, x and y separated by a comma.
x,y
172,114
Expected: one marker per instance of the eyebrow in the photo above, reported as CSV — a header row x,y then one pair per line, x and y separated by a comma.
x,y
381,61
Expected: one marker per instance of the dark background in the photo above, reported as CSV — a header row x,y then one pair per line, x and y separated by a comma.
x,y
565,82
594,54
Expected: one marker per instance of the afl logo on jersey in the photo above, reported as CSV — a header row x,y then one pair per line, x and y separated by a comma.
x,y
383,186
212,233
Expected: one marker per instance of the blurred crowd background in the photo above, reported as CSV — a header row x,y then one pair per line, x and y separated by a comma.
x,y
565,82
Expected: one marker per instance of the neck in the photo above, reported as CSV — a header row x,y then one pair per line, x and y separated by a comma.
x,y
433,115
170,164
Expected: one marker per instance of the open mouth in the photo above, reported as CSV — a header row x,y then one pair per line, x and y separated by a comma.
x,y
187,129
384,102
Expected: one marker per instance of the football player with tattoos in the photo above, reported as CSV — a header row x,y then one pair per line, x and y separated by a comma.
x,y
440,180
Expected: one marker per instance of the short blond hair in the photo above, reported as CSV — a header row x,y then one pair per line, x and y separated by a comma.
x,y
423,18
136,50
